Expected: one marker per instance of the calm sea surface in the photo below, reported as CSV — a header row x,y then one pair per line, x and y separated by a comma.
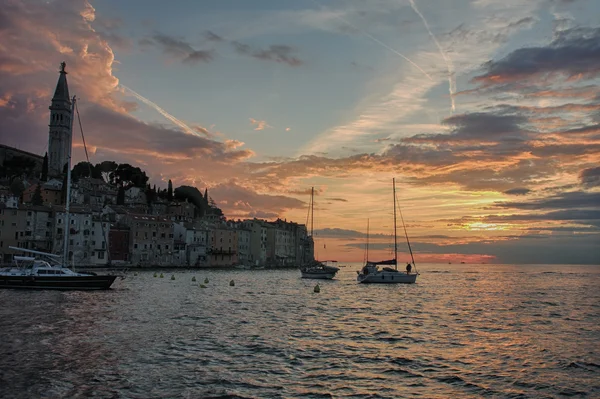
x,y
463,331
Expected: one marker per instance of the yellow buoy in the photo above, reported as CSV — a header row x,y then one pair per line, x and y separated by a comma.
x,y
135,274
155,275
161,275
206,280
172,277
194,278
317,288
232,283
202,286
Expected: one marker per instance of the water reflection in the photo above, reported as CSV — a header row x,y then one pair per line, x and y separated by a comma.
x,y
460,332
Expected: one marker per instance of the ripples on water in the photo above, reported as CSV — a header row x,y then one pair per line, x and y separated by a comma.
x,y
461,332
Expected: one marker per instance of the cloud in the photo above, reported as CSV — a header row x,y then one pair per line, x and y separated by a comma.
x,y
279,53
574,53
287,129
260,125
178,48
213,37
337,199
569,200
590,177
518,191
240,202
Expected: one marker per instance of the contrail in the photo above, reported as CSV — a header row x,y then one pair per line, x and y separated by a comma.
x,y
449,64
378,41
164,113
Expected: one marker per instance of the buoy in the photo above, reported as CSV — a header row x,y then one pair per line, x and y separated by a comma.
x,y
155,275
135,274
317,288
202,286
172,277
194,278
206,280
232,283
161,275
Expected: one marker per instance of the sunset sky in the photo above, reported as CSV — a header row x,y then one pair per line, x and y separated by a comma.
x,y
487,113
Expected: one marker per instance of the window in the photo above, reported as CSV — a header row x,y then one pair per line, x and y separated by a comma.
x,y
100,255
135,246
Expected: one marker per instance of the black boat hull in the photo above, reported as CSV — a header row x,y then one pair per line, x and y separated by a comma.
x,y
57,283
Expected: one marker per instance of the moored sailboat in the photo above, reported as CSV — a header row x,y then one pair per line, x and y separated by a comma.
x,y
316,269
372,273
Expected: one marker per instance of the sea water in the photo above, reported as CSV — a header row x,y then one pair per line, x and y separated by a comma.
x,y
463,331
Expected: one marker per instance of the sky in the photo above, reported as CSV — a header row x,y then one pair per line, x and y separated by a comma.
x,y
486,112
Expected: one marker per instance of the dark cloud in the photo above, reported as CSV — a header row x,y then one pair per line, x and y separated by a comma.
x,y
570,200
337,199
590,177
178,48
213,37
517,191
478,127
279,53
574,53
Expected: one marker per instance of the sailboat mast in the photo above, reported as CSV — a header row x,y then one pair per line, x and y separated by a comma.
x,y
395,229
312,210
367,240
68,199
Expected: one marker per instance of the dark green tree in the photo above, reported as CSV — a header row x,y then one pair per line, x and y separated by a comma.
x,y
63,190
17,187
170,191
121,196
105,171
37,198
82,169
45,168
130,176
193,195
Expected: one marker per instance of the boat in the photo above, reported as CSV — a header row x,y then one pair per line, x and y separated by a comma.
x,y
316,269
45,271
372,273
50,271
320,270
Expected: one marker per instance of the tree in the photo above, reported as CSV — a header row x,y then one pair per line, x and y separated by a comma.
x,y
130,176
193,195
45,168
63,190
37,198
170,191
150,195
82,169
17,187
121,196
105,171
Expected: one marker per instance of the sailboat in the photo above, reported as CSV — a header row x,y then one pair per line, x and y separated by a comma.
x,y
41,270
316,269
372,273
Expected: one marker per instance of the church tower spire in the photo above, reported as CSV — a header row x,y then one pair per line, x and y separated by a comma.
x,y
59,139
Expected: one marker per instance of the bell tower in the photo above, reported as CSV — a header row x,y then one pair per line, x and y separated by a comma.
x,y
59,139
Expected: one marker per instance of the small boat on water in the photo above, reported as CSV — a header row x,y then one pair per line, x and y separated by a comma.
x,y
371,273
315,269
44,271
320,270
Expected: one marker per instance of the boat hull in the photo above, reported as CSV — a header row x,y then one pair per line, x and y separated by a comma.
x,y
57,283
387,278
319,275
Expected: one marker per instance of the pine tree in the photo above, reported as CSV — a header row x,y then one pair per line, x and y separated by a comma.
x,y
45,168
37,198
121,195
170,191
